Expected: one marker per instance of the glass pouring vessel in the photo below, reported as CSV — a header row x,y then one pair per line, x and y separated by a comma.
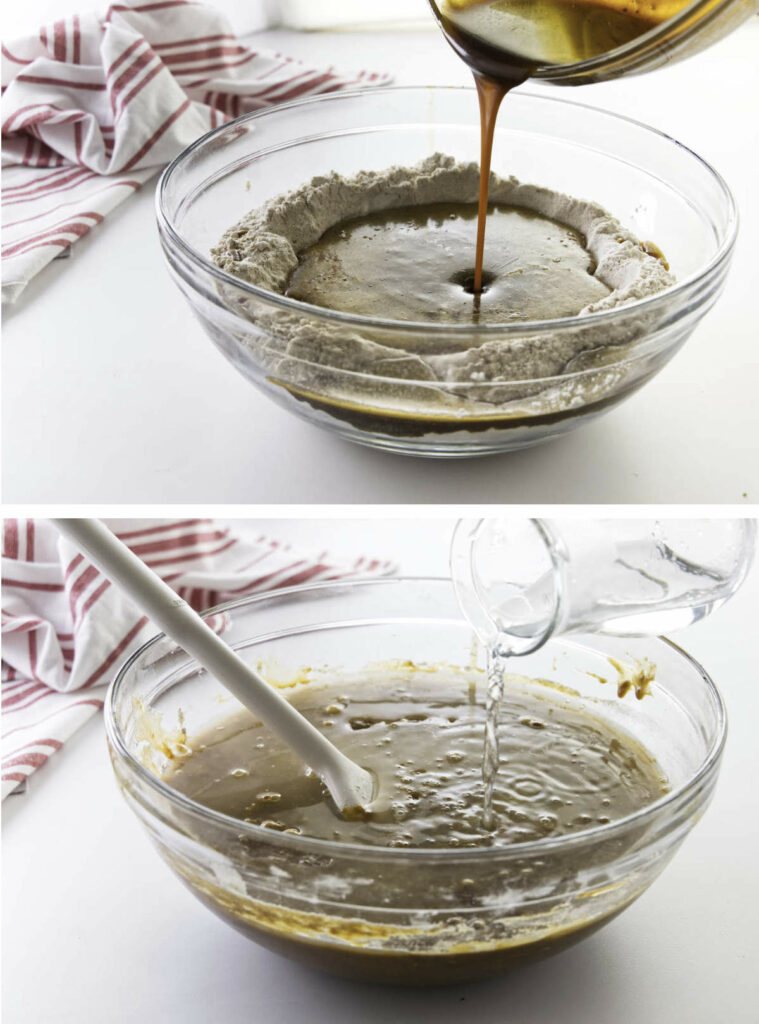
x,y
520,581
677,30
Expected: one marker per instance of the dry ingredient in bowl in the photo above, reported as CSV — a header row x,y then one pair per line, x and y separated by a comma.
x,y
563,769
335,242
265,247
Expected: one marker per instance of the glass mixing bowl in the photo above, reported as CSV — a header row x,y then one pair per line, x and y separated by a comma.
x,y
414,916
656,187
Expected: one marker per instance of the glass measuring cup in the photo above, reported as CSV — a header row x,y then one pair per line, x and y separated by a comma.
x,y
572,43
521,581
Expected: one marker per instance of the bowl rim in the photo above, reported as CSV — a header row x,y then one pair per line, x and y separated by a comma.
x,y
314,844
648,304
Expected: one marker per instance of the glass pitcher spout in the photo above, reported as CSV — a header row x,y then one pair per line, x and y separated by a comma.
x,y
521,581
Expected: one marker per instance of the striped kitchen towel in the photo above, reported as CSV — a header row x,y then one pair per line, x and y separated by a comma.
x,y
66,630
93,106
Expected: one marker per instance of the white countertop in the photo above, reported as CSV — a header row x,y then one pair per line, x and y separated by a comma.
x,y
96,930
88,414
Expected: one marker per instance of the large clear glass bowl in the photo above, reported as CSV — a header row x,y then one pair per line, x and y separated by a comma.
x,y
319,901
656,187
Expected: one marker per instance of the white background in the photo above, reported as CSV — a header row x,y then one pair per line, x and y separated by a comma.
x,y
246,15
97,930
113,393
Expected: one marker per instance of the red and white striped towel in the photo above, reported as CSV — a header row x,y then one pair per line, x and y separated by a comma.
x,y
93,106
66,630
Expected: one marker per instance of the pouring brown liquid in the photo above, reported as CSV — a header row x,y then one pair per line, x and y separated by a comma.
x,y
505,42
490,94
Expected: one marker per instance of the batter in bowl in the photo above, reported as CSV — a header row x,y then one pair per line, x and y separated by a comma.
x,y
563,769
440,911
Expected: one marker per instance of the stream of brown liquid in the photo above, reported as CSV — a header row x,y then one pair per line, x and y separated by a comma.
x,y
490,95
506,41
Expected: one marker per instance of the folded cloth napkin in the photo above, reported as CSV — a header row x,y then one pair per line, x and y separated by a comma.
x,y
93,106
66,630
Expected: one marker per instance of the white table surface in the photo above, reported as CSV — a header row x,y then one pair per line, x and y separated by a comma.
x,y
96,930
88,415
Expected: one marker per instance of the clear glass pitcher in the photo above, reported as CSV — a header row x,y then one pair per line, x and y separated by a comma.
x,y
572,42
521,581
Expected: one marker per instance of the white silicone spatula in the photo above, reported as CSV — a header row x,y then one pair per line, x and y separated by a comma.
x,y
351,787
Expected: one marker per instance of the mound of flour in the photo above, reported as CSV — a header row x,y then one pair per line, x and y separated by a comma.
x,y
262,249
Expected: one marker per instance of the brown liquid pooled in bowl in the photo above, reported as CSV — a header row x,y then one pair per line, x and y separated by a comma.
x,y
414,263
563,770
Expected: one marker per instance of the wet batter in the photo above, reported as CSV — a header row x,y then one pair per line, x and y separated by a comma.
x,y
562,769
